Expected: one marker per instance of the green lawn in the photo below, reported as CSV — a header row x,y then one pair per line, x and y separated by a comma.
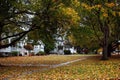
x,y
90,69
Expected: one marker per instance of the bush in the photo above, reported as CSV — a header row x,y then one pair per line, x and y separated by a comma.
x,y
67,52
40,53
20,54
49,46
14,53
31,54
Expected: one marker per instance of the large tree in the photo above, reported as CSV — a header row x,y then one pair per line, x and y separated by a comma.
x,y
41,17
56,15
100,16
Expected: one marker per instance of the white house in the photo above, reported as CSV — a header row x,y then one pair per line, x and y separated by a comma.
x,y
38,48
60,42
20,48
61,45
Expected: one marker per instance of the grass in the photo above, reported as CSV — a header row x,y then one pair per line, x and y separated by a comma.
x,y
50,59
90,69
7,71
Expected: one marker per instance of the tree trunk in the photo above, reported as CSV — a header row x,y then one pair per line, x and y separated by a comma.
x,y
105,51
1,28
105,43
110,49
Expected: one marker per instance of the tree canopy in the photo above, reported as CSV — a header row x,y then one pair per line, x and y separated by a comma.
x,y
84,20
101,17
39,17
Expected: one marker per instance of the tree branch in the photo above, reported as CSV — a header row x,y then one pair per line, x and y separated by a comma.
x,y
17,39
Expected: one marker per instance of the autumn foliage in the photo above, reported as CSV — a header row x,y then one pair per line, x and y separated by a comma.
x,y
89,69
28,47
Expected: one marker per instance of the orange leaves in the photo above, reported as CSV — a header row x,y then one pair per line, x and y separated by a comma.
x,y
90,69
105,15
101,8
90,7
98,6
86,6
54,0
51,59
104,9
110,5
32,60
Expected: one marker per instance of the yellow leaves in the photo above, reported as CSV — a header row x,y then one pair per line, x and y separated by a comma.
x,y
69,11
53,59
91,68
91,7
72,39
103,8
99,50
70,14
114,13
119,13
110,4
61,5
86,6
105,15
76,3
98,6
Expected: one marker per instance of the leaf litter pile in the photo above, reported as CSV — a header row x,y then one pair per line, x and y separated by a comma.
x,y
91,68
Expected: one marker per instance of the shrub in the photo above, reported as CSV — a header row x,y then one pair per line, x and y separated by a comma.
x,y
67,52
40,53
49,46
31,54
20,54
14,53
